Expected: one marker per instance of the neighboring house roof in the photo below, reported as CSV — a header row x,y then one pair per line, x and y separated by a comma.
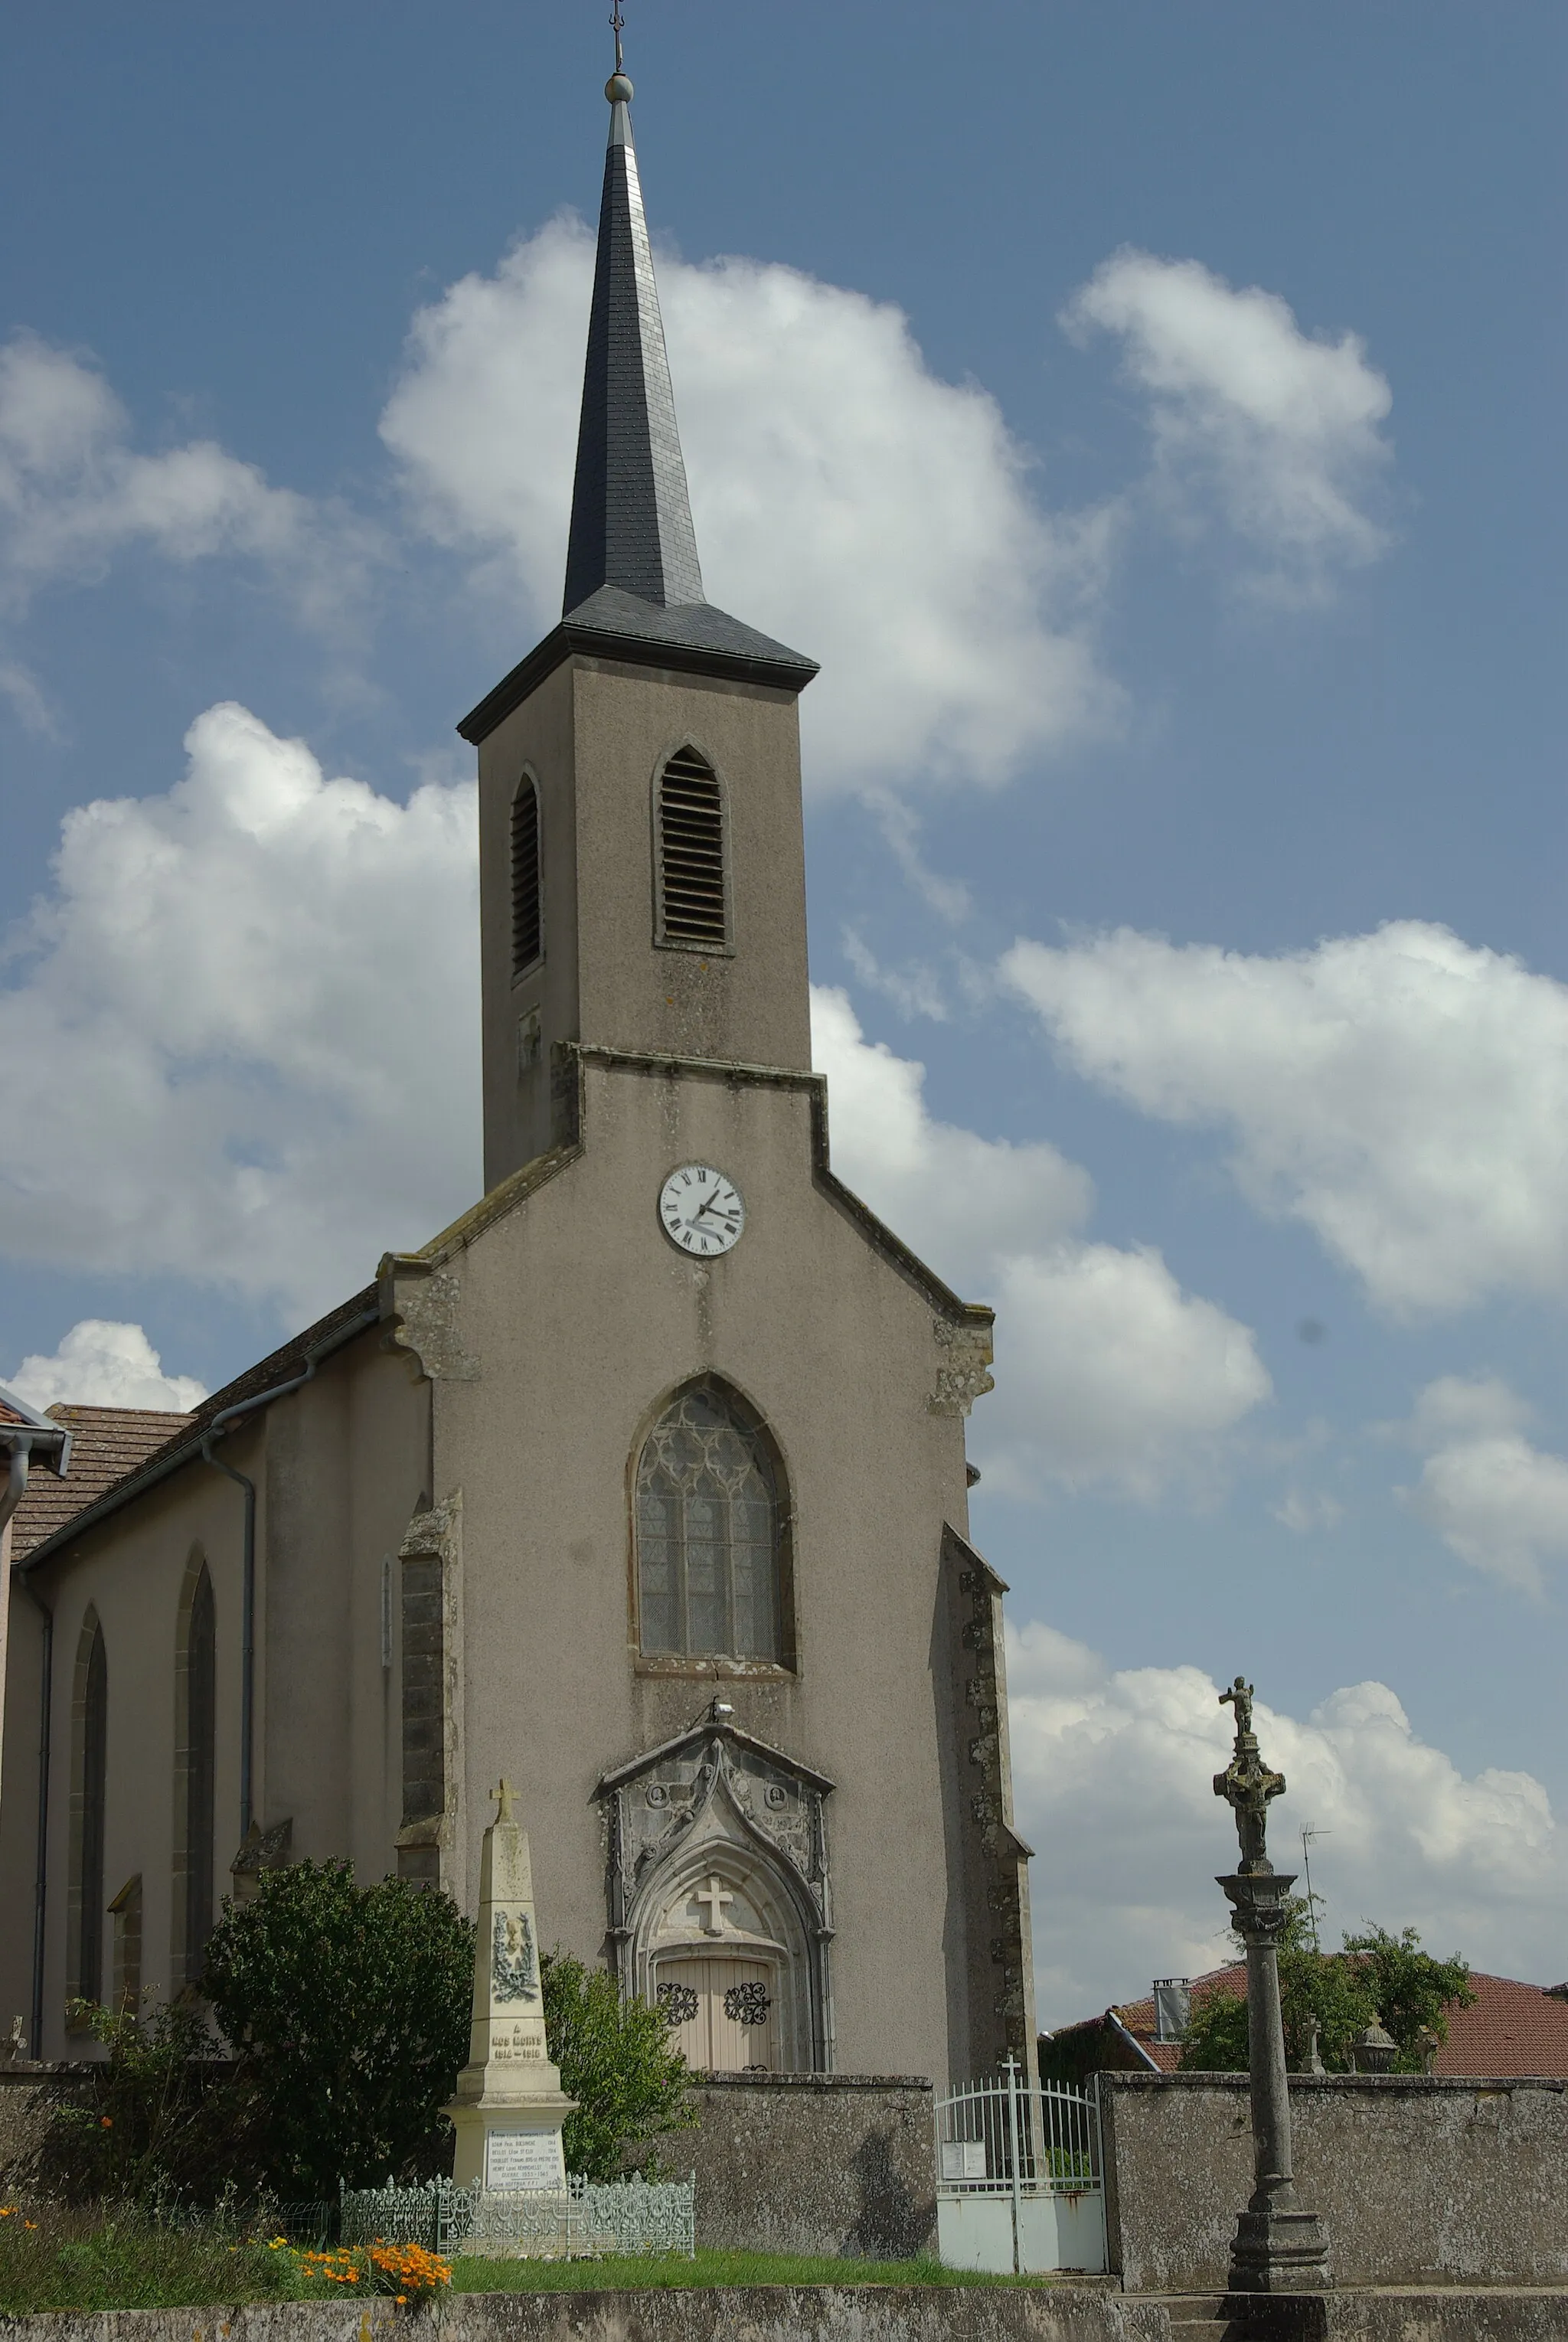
x,y
179,1444
1511,2029
107,1443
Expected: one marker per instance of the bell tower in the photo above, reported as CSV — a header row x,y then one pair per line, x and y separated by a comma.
x,y
642,866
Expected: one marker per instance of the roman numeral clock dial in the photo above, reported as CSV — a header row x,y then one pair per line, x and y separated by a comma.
x,y
701,1211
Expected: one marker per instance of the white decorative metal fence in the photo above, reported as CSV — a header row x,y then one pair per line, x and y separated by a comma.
x,y
1018,2177
589,2218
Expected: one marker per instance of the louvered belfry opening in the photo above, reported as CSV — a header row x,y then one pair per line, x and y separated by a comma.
x,y
691,853
527,922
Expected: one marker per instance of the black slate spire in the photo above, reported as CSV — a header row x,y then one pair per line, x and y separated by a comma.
x,y
633,588
631,514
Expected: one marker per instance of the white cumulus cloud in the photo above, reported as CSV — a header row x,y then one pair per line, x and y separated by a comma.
x,y
101,1363
1404,1093
74,492
240,1039
1497,1502
961,1200
1276,427
1107,1373
846,500
1113,1779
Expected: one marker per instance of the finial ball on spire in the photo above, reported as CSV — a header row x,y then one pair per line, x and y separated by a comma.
x,y
618,89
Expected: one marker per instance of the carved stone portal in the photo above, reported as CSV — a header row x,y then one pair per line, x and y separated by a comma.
x,y
720,1911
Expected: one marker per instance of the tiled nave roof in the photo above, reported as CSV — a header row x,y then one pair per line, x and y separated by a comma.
x,y
106,1443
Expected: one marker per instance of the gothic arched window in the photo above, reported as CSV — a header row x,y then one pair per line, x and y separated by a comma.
x,y
713,1530
89,1784
527,902
690,834
196,1767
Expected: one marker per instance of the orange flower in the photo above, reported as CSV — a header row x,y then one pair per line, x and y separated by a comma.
x,y
105,2122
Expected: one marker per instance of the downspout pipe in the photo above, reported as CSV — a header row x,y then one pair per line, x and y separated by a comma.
x,y
15,1490
41,1867
219,1423
21,1445
16,1487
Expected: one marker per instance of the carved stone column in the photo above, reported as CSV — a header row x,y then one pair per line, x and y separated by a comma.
x,y
1279,2247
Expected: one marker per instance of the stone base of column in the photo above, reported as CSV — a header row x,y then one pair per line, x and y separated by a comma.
x,y
1279,2252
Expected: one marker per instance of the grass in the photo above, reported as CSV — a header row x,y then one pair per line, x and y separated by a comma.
x,y
55,2258
52,2257
643,2270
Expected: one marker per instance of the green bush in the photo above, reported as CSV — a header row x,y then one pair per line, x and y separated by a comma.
x,y
617,2061
162,2120
348,2009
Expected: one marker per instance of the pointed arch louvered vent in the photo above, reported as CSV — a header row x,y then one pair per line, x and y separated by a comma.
x,y
527,919
692,907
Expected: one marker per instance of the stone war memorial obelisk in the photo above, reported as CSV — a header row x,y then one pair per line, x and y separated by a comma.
x,y
509,2105
1278,2248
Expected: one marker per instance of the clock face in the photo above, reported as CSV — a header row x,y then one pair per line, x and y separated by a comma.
x,y
700,1211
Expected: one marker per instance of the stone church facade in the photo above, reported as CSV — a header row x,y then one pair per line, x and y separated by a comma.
x,y
643,1484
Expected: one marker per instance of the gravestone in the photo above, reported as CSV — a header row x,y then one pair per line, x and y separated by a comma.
x,y
509,2107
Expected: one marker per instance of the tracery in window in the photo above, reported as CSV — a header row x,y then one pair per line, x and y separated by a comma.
x,y
711,1530
527,903
691,854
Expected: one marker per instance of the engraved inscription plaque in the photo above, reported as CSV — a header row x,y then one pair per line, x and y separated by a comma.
x,y
524,2159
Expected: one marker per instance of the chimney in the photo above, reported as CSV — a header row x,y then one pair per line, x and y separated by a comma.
x,y
1172,2007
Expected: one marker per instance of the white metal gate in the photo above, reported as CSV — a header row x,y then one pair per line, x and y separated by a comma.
x,y
1018,2176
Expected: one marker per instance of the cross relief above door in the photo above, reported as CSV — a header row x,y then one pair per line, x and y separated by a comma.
x,y
718,1894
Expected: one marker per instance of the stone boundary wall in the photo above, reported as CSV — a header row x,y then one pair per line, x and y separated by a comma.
x,y
1420,2180
715,2313
811,2163
786,2163
821,2314
28,2097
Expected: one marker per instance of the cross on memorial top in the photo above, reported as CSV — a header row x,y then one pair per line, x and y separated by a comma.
x,y
505,1797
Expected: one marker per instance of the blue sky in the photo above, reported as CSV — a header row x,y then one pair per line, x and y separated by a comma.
x,y
1186,572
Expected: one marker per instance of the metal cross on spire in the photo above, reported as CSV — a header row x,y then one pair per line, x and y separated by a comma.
x,y
618,24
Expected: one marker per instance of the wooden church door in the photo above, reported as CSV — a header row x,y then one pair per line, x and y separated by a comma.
x,y
720,2012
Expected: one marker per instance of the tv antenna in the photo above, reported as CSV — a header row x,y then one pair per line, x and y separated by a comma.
x,y
1307,1837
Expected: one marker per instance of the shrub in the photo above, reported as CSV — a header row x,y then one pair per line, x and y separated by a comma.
x,y
348,2009
616,2060
161,2120
1376,1975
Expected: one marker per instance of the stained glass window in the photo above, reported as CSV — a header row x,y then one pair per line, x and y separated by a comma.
x,y
710,1531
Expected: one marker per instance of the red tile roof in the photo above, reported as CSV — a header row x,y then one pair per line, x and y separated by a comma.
x,y
1512,2027
106,1442
180,1436
1138,2016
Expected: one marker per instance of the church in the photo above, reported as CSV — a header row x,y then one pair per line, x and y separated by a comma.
x,y
643,1484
